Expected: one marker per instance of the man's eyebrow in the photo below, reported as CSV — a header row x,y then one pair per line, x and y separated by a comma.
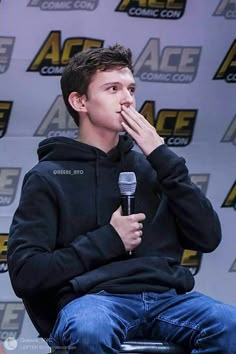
x,y
133,84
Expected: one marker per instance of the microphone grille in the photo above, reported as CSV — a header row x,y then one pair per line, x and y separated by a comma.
x,y
127,183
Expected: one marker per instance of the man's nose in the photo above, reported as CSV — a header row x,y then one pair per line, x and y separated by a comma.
x,y
127,98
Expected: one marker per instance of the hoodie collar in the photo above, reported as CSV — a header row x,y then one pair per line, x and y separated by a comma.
x,y
67,149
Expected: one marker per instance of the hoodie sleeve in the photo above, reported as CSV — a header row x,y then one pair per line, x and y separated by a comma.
x,y
35,264
198,224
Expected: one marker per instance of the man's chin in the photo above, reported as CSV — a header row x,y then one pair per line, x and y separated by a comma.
x,y
121,129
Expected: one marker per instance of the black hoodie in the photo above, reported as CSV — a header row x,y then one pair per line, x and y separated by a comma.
x,y
61,244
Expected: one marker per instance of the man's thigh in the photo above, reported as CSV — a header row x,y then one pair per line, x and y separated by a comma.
x,y
100,315
185,318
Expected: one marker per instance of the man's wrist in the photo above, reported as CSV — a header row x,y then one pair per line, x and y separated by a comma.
x,y
149,149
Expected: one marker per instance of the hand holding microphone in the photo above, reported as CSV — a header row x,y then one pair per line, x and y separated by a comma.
x,y
127,224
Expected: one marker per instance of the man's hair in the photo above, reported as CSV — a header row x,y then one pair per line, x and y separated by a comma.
x,y
78,73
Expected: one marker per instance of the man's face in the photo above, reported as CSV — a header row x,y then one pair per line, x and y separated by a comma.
x,y
107,93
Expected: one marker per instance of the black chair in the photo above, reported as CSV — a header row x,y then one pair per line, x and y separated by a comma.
x,y
142,346
145,347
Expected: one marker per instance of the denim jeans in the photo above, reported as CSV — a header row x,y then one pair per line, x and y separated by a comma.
x,y
99,323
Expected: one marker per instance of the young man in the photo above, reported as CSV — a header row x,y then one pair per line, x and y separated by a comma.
x,y
69,246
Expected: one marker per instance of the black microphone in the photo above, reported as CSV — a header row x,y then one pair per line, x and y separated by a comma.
x,y
127,184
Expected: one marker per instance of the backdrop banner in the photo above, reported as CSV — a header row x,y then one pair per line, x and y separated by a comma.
x,y
185,69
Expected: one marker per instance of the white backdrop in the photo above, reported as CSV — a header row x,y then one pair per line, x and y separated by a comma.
x,y
186,50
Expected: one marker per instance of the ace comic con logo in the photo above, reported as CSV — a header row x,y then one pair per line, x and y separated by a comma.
x,y
6,48
5,111
3,253
64,5
174,64
176,126
159,9
230,202
227,9
53,55
57,122
11,319
227,69
230,199
9,179
230,134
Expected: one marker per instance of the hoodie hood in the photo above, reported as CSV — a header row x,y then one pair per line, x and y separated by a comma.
x,y
67,149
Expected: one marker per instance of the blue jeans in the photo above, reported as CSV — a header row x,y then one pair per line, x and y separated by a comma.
x,y
99,323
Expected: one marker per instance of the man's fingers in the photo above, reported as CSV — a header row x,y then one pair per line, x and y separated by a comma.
x,y
137,217
130,131
138,233
132,123
141,117
135,116
138,226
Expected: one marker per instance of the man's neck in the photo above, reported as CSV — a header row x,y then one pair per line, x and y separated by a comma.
x,y
104,142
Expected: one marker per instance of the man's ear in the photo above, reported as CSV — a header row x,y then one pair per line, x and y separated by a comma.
x,y
77,102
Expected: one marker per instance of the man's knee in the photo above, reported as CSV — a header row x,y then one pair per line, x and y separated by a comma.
x,y
221,327
96,330
223,316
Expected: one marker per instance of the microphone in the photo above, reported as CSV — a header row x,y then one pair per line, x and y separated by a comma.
x,y
127,185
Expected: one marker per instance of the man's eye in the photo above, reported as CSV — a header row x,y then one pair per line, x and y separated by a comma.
x,y
132,89
112,88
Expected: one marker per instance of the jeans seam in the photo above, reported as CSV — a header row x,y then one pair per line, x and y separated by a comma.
x,y
65,320
179,323
187,324
202,333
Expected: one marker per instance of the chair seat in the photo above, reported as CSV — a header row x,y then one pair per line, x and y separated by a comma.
x,y
140,346
145,347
